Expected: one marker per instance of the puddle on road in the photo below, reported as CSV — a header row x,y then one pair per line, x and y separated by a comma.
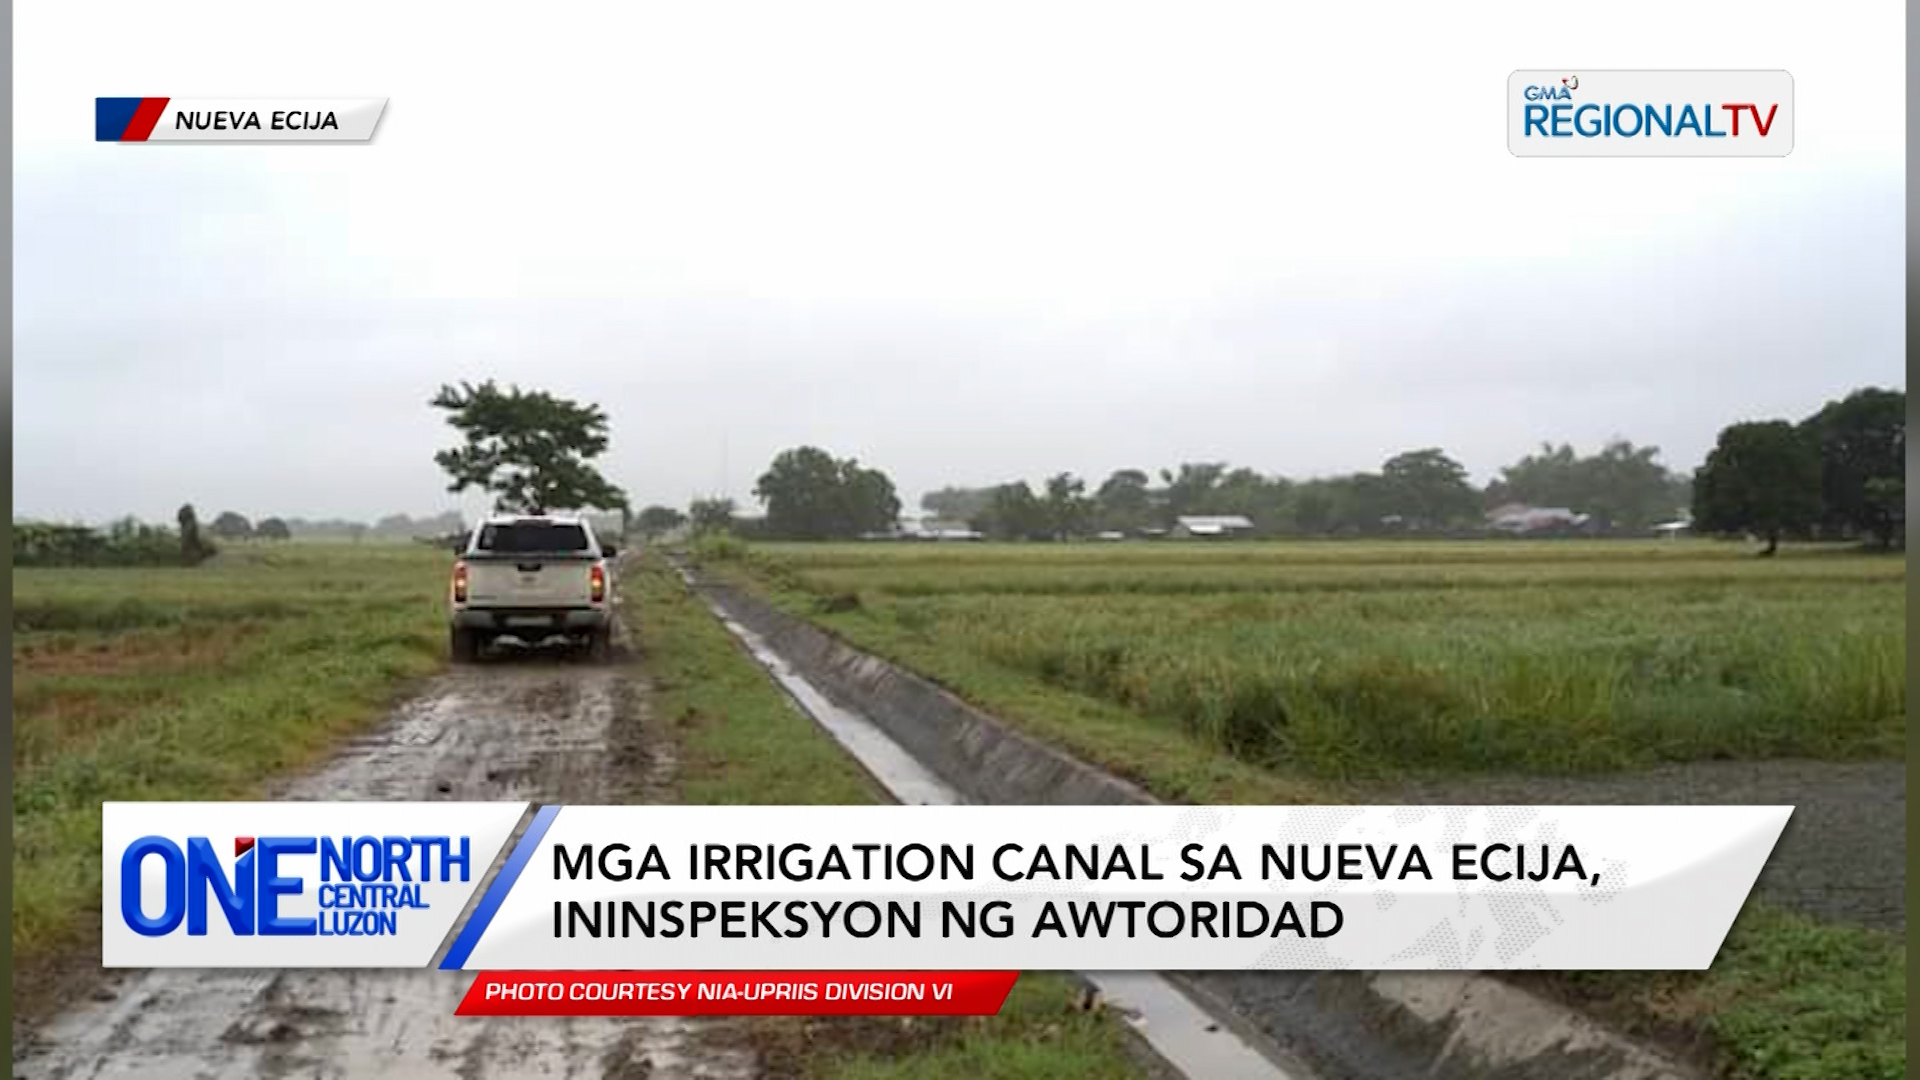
x,y
1178,1030
516,728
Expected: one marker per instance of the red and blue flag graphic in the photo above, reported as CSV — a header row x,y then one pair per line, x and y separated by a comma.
x,y
126,119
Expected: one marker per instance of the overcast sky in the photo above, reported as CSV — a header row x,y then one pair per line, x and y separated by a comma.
x,y
987,244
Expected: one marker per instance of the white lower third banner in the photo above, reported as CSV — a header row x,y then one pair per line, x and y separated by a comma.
x,y
900,888
1124,888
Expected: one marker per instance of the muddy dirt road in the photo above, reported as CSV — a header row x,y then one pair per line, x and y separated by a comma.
x,y
522,726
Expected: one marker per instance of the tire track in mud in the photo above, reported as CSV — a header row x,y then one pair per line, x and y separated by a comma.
x,y
523,726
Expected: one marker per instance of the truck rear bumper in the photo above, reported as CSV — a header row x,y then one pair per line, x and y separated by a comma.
x,y
535,620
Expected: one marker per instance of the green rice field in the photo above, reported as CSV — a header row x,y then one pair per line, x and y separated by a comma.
x,y
1352,659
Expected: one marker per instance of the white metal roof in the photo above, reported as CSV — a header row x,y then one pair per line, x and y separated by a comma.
x,y
1215,521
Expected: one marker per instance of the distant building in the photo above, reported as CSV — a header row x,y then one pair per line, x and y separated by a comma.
x,y
933,528
1521,518
1212,527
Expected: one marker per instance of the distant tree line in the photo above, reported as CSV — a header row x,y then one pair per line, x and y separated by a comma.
x,y
1838,474
126,542
1421,490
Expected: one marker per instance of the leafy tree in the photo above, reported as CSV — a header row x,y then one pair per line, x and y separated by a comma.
x,y
1862,441
1364,502
810,495
1187,490
1762,477
712,515
194,548
1314,507
273,529
956,503
1623,485
1428,488
871,504
231,526
1013,513
126,542
1260,499
530,449
1068,510
1124,501
655,520
1626,486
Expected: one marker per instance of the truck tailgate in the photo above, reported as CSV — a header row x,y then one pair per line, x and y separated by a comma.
x,y
529,581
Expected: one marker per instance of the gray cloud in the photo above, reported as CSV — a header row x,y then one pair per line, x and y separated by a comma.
x,y
984,260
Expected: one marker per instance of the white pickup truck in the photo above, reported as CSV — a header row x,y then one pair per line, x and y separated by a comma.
x,y
532,578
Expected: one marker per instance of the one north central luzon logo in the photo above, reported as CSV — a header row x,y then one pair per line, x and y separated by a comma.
x,y
1556,111
366,883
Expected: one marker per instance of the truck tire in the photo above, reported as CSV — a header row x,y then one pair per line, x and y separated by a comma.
x,y
464,645
600,645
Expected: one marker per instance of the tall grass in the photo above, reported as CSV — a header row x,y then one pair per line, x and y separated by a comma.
x,y
203,683
1464,656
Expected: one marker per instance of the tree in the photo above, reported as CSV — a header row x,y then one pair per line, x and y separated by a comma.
x,y
655,520
1762,477
1428,488
1862,442
273,529
1626,486
1124,501
1251,495
1364,502
231,526
871,503
810,495
1314,507
194,548
711,515
1013,513
1068,510
956,503
1623,485
1188,489
531,449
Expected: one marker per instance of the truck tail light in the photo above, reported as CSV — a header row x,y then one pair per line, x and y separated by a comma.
x,y
598,579
460,582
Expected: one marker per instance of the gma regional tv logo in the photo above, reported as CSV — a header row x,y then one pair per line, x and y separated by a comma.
x,y
365,883
1601,113
279,885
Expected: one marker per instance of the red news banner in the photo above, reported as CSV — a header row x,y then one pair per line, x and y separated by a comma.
x,y
737,993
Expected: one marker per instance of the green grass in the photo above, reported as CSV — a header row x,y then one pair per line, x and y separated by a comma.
x,y
1354,660
1283,672
740,740
200,683
1788,998
1038,1033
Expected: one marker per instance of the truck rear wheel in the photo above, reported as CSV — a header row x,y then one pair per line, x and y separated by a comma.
x,y
600,644
464,644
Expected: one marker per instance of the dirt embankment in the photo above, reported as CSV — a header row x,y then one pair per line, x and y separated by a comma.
x,y
523,726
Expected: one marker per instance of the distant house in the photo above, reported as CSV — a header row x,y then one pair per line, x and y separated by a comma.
x,y
933,528
1521,518
1211,528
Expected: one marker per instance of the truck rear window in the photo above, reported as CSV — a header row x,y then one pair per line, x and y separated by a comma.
x,y
532,536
